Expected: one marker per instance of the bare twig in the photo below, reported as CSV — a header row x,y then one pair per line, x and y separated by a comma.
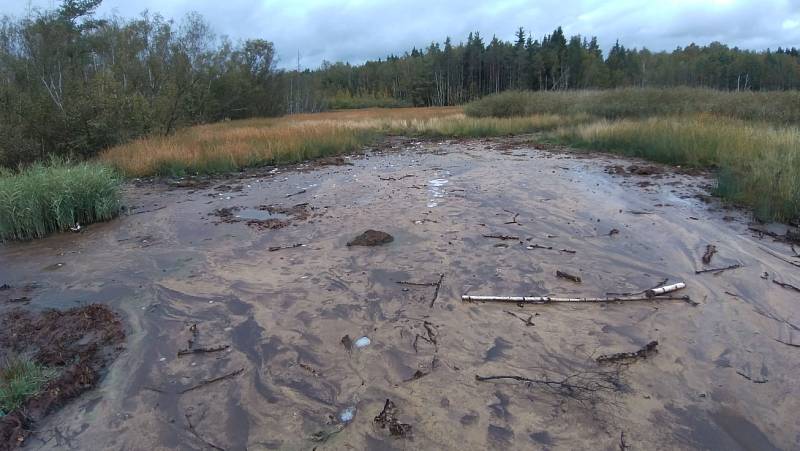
x,y
718,270
568,276
581,386
438,286
302,191
642,353
778,256
183,352
211,381
786,285
198,436
755,381
290,246
514,219
787,343
502,237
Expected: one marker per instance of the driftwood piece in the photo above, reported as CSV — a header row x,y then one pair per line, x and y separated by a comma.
x,y
786,285
290,246
211,381
502,237
656,296
642,353
718,270
568,276
779,256
183,352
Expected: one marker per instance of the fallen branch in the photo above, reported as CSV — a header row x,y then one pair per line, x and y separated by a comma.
x,y
438,286
642,353
786,285
514,219
198,436
291,246
787,343
581,386
710,251
656,295
568,276
778,256
211,381
718,270
549,248
502,237
302,191
183,352
755,381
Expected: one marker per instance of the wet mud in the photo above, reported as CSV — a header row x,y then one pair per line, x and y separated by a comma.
x,y
274,303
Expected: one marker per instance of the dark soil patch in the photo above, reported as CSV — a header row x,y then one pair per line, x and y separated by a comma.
x,y
371,238
79,343
284,215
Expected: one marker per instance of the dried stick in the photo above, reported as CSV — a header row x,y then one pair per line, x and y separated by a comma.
x,y
656,292
778,256
786,285
718,270
291,246
211,381
183,352
438,286
197,435
502,237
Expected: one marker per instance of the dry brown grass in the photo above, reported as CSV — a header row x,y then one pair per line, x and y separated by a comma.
x,y
228,146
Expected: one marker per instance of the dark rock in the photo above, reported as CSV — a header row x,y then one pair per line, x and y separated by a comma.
x,y
371,238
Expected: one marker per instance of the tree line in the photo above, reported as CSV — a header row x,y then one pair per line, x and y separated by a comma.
x,y
447,74
72,84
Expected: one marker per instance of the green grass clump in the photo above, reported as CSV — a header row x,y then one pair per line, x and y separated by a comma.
x,y
44,198
757,164
776,107
21,379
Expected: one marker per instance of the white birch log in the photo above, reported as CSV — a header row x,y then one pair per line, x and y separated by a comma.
x,y
665,289
656,292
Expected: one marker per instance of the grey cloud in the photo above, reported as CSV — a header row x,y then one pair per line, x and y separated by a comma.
x,y
357,30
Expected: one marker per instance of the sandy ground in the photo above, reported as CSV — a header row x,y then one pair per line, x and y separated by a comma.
x,y
724,376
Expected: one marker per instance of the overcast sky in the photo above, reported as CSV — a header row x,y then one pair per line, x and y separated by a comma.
x,y
356,30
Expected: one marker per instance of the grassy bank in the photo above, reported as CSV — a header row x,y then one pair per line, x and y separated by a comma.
x,y
758,165
776,107
21,379
47,198
234,145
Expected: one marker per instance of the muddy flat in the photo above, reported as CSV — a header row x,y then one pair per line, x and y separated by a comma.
x,y
251,277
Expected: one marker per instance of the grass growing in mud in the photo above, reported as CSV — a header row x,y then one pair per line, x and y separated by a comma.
x,y
234,145
20,379
757,164
752,139
50,197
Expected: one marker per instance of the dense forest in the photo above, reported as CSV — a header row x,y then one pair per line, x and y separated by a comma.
x,y
72,84
451,74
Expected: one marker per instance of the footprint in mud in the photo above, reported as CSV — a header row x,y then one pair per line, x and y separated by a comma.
x,y
470,418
